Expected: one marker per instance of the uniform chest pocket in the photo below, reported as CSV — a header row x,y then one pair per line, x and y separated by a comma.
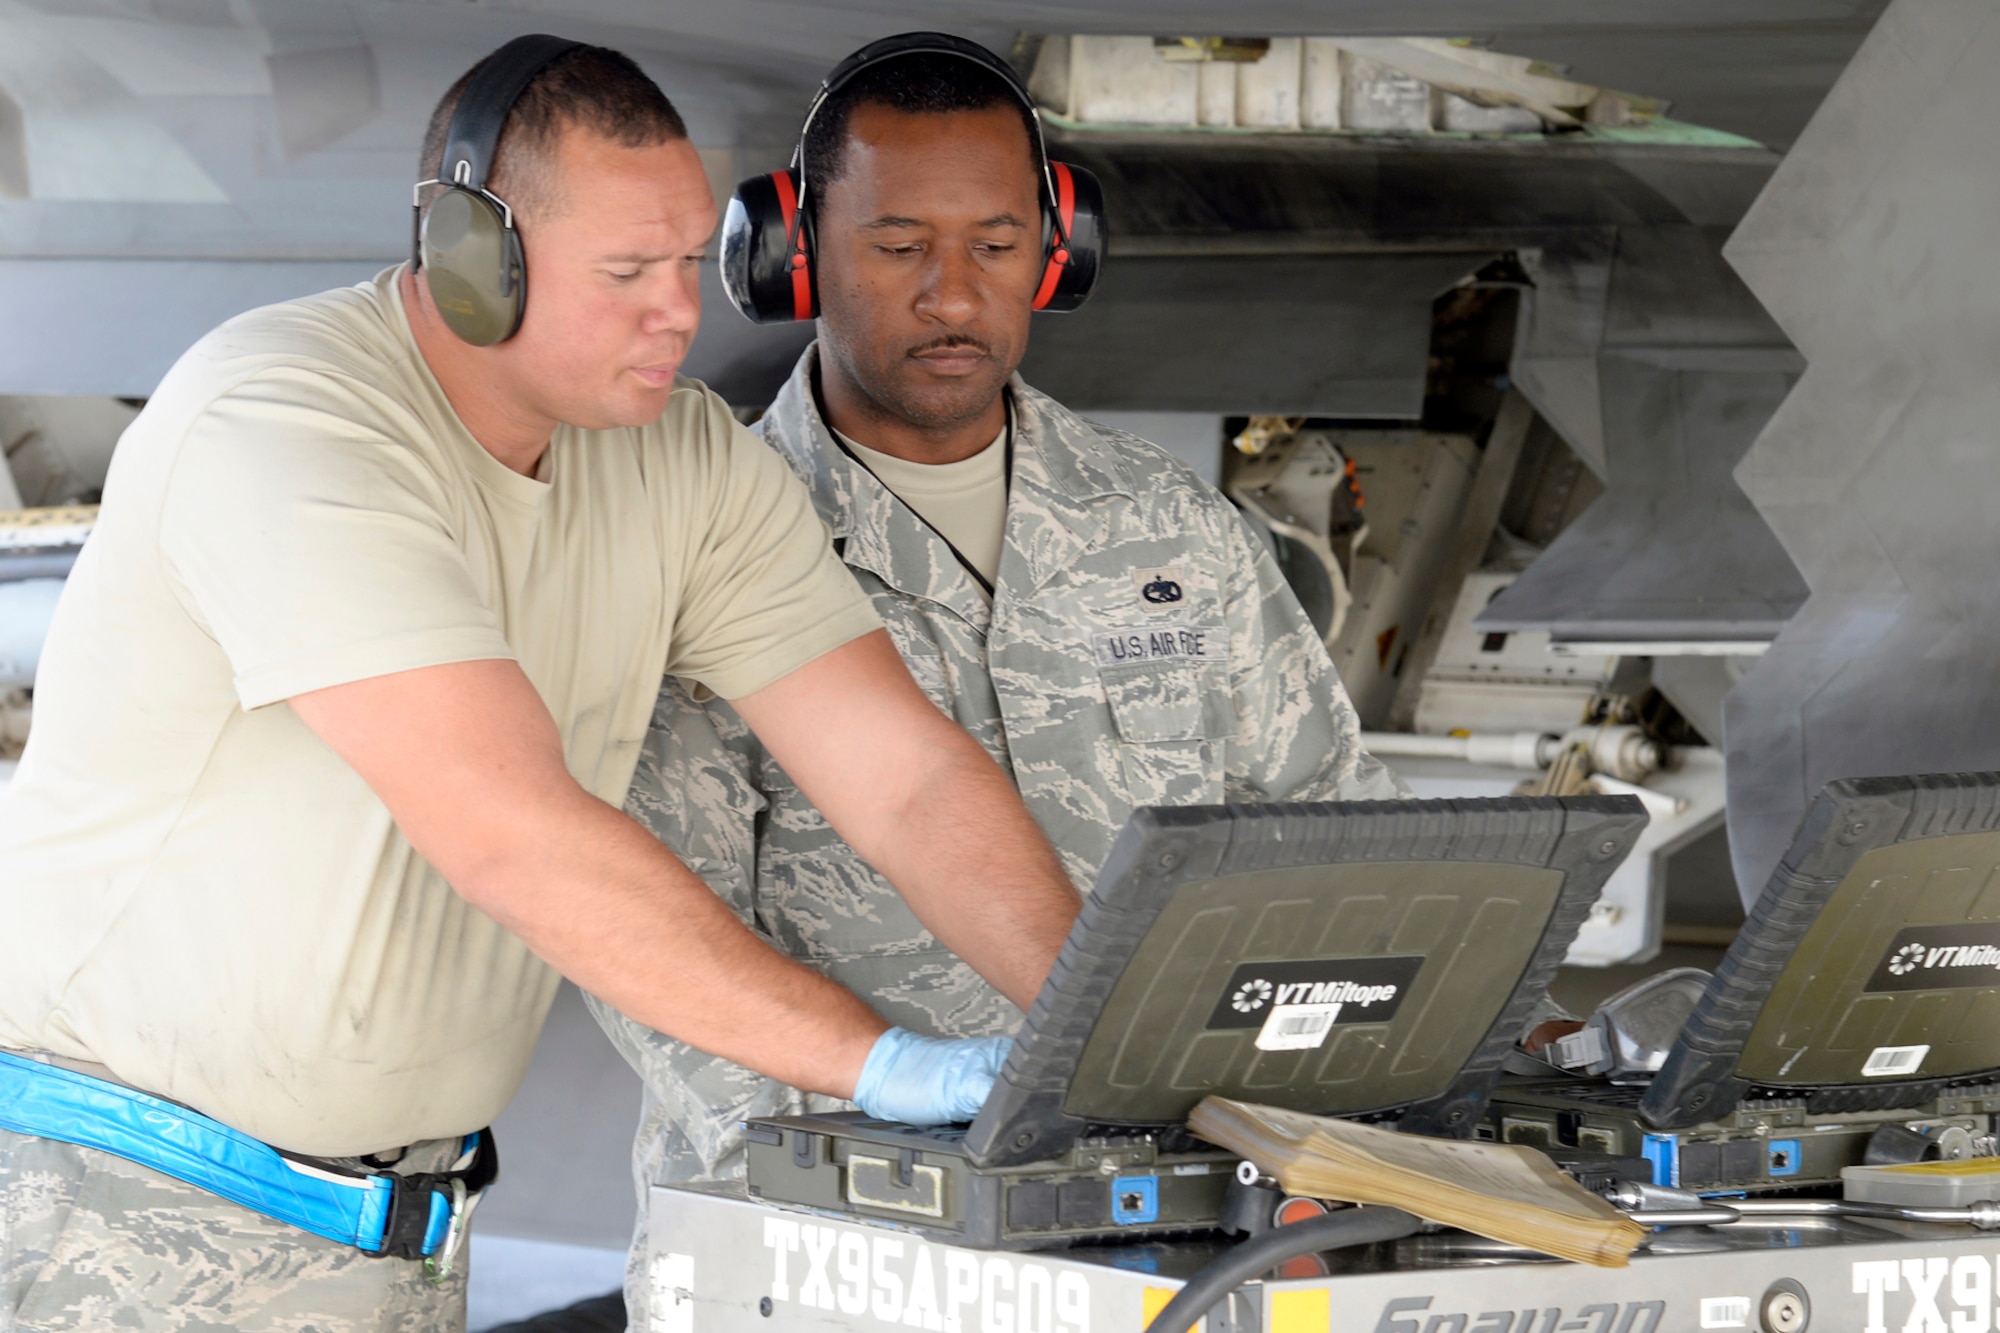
x,y
1173,726
1150,705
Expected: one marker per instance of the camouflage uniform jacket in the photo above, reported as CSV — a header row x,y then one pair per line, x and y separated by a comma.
x,y
1141,648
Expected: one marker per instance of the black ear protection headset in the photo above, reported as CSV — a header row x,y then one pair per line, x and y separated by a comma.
x,y
467,247
767,234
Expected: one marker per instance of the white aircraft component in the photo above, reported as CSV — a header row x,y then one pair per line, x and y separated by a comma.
x,y
1528,750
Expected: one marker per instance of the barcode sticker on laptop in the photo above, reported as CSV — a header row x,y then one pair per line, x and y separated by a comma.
x,y
1297,1027
1884,1060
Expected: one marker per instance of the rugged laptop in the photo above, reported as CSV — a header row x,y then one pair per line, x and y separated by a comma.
x,y
1374,958
1863,993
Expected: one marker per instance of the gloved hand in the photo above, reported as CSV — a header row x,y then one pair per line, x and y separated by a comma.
x,y
928,1080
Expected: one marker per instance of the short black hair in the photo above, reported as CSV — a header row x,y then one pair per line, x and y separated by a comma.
x,y
594,87
921,83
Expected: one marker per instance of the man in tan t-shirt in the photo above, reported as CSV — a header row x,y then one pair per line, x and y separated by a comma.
x,y
341,703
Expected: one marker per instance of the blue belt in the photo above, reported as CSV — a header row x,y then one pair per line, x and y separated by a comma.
x,y
404,1217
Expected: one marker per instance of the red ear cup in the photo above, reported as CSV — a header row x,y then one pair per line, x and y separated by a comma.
x,y
767,266
1076,239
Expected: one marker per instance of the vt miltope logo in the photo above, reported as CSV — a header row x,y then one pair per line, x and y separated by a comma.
x,y
1960,956
1350,990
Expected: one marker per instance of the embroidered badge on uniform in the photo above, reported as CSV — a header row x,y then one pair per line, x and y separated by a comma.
x,y
1160,589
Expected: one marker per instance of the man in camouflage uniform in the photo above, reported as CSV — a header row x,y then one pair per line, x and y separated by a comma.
x,y
1136,647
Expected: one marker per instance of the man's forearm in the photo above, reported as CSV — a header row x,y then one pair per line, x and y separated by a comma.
x,y
976,870
469,762
602,901
925,805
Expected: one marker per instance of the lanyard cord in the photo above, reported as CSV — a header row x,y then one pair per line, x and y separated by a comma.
x,y
1007,479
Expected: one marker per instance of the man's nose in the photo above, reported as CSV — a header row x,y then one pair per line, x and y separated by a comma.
x,y
676,303
952,291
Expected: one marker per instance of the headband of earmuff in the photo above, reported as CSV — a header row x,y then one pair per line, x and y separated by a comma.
x,y
767,233
467,246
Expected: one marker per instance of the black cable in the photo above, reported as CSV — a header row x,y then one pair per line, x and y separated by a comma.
x,y
1232,1268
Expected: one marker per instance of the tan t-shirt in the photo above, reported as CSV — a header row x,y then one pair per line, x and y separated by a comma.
x,y
964,502
194,890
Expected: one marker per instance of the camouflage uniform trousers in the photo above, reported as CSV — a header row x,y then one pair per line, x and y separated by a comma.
x,y
89,1240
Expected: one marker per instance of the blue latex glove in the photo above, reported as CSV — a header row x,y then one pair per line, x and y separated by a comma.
x,y
928,1080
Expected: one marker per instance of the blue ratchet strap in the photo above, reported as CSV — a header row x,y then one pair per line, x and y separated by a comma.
x,y
405,1217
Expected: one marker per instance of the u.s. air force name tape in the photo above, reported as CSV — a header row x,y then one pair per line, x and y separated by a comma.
x,y
1162,643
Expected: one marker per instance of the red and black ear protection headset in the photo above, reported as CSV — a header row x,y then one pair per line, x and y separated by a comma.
x,y
767,234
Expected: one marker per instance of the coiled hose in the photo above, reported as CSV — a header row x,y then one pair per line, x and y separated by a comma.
x,y
1232,1268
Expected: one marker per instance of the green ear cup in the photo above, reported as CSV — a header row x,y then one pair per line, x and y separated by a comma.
x,y
472,260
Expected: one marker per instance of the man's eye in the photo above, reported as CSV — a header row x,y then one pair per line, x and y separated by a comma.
x,y
908,249
621,275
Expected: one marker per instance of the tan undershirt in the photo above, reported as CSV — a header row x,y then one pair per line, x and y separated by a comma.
x,y
965,501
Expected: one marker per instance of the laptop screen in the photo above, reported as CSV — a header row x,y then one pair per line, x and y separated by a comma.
x,y
1339,959
1334,989
1868,974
